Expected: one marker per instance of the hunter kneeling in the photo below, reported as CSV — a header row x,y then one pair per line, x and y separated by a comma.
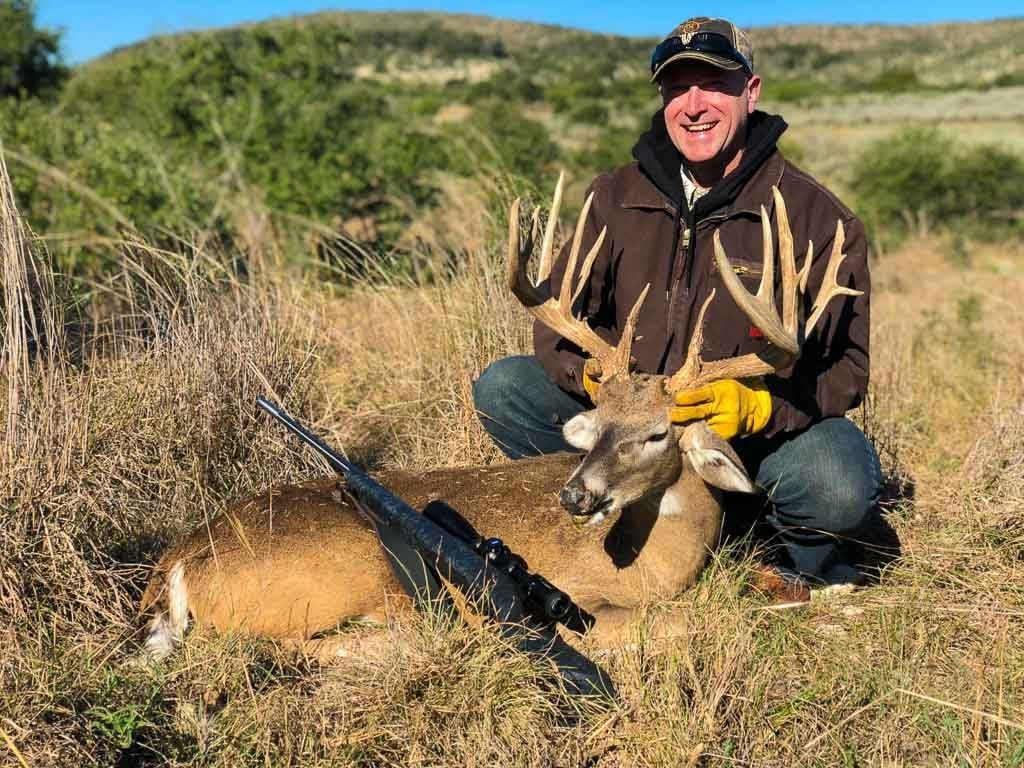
x,y
706,169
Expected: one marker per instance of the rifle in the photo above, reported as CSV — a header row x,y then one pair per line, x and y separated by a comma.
x,y
423,548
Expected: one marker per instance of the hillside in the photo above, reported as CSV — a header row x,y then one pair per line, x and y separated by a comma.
x,y
358,126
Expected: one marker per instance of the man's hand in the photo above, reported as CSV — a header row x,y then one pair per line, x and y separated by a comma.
x,y
592,378
728,406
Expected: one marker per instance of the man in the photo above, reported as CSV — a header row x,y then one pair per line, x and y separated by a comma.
x,y
709,162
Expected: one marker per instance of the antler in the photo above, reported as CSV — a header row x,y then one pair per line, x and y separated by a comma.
x,y
781,332
556,314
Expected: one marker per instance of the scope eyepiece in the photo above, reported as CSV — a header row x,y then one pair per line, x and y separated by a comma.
x,y
557,605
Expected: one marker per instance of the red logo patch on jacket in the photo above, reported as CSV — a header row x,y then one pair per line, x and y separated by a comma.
x,y
755,332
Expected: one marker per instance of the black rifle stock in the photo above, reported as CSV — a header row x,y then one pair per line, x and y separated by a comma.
x,y
418,550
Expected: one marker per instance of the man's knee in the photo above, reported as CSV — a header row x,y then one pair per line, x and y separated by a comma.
x,y
827,478
496,389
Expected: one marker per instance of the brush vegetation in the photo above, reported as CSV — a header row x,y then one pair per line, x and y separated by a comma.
x,y
175,277
347,126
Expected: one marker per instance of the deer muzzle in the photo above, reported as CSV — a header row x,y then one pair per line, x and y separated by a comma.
x,y
580,502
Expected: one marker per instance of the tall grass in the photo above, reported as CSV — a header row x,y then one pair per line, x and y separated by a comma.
x,y
131,421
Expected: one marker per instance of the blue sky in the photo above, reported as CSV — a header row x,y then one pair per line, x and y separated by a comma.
x,y
92,27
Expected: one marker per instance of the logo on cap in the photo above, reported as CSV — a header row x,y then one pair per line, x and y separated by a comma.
x,y
687,32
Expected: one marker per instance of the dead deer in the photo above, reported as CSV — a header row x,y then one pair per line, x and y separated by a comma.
x,y
644,502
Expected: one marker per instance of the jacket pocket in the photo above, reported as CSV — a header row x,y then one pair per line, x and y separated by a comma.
x,y
744,268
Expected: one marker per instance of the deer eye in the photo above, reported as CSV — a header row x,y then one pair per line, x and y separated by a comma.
x,y
657,437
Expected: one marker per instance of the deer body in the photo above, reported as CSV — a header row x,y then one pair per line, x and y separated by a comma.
x,y
295,562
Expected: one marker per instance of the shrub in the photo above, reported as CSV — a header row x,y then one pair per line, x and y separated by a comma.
x,y
593,112
894,80
903,175
611,149
920,176
800,89
782,57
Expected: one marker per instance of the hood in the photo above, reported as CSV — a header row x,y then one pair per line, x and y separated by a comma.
x,y
659,160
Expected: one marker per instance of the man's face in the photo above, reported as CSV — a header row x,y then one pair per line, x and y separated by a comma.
x,y
706,110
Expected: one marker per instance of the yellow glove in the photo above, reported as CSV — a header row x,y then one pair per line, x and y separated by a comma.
x,y
592,378
729,407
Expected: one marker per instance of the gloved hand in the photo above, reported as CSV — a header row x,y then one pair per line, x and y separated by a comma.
x,y
728,406
592,378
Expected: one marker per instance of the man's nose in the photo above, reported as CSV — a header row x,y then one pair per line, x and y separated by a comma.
x,y
694,101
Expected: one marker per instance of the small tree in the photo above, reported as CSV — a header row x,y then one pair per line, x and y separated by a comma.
x,y
30,60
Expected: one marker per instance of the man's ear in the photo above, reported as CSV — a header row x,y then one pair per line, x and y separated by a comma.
x,y
581,431
753,93
714,459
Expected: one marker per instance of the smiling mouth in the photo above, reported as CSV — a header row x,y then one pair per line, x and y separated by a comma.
x,y
699,128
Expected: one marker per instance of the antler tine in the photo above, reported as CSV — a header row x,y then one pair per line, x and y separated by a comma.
x,y
588,264
787,264
547,258
692,365
805,270
766,289
830,287
515,275
620,358
761,314
565,292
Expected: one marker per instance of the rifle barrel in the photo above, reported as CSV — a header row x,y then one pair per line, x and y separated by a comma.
x,y
338,462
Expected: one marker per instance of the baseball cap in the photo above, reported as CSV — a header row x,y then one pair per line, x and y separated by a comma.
x,y
715,41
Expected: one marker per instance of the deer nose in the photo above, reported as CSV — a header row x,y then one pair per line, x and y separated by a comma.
x,y
571,498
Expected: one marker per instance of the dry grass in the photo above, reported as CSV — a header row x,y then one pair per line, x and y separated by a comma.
x,y
139,424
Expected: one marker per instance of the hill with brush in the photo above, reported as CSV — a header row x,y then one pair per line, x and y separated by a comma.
x,y
353,125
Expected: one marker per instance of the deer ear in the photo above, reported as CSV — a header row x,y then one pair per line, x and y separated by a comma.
x,y
714,459
581,431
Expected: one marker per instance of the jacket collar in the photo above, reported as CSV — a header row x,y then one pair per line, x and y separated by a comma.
x,y
755,193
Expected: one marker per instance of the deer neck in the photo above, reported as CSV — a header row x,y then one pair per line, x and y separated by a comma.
x,y
659,544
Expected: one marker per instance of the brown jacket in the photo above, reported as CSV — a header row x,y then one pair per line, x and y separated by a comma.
x,y
831,374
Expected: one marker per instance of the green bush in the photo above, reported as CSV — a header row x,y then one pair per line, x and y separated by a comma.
x,y
792,90
611,149
784,57
593,112
920,175
521,146
894,80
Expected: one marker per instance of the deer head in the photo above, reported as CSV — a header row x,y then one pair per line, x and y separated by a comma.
x,y
633,451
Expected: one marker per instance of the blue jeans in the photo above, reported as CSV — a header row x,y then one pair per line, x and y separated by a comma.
x,y
823,483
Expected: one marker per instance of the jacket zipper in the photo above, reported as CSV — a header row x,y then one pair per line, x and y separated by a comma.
x,y
683,269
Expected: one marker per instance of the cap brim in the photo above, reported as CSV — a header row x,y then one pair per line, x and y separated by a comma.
x,y
719,61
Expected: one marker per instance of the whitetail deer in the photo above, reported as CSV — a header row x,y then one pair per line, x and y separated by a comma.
x,y
294,562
